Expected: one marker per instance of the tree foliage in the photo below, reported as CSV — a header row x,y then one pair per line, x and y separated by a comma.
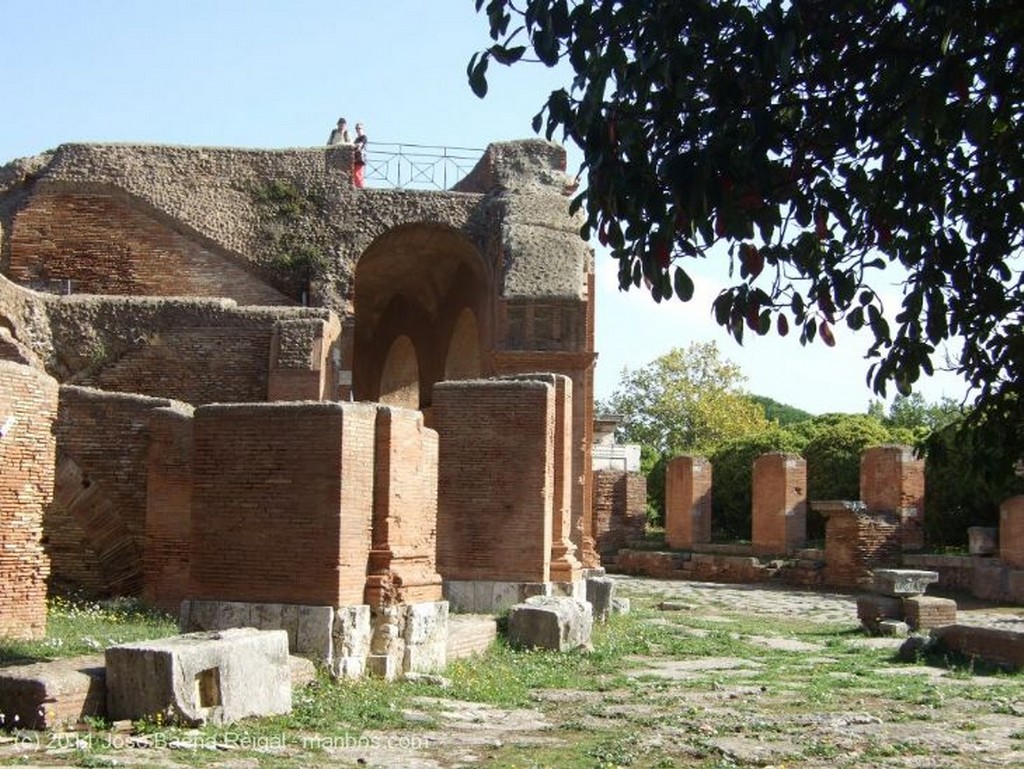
x,y
781,413
686,400
824,143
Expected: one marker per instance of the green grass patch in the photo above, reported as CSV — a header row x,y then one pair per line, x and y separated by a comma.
x,y
77,626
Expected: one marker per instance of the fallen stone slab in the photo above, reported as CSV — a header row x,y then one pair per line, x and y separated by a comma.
x,y
1000,647
49,695
901,583
212,677
550,622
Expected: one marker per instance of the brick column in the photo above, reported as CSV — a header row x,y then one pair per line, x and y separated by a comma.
x,y
168,540
564,564
892,480
495,479
1011,532
402,566
620,509
687,502
28,408
779,515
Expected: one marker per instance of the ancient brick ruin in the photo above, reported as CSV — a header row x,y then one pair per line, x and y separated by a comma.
x,y
182,331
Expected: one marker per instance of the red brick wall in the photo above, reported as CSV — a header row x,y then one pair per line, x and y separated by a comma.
x,y
107,243
495,484
97,528
687,502
779,504
620,509
856,543
195,365
403,559
1011,532
168,540
892,480
282,502
27,450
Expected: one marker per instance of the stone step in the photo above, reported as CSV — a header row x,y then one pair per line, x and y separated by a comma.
x,y
470,634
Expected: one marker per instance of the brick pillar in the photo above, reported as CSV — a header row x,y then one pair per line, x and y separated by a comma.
x,y
857,543
28,408
282,502
892,480
564,565
779,515
1011,532
402,566
300,368
687,502
168,540
495,479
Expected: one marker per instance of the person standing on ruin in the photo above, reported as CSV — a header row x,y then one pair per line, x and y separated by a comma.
x,y
339,135
359,158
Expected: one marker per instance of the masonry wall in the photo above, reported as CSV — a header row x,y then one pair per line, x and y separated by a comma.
x,y
403,557
105,242
495,479
167,551
858,542
27,452
620,509
282,503
99,512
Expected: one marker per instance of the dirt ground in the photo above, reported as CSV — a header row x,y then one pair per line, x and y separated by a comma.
x,y
785,701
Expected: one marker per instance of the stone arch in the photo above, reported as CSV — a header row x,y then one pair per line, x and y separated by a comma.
x,y
418,281
400,379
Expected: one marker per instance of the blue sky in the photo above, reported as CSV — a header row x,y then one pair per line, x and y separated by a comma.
x,y
261,73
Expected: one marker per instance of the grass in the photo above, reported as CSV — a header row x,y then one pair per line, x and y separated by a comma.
x,y
77,626
601,707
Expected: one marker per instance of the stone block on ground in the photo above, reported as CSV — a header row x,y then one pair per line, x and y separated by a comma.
x,y
210,677
997,646
924,612
900,583
550,622
600,594
893,628
874,609
982,540
426,637
47,695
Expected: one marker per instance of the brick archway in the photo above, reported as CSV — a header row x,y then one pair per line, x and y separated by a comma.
x,y
429,284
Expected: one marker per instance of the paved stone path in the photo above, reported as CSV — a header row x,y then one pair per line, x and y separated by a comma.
x,y
819,606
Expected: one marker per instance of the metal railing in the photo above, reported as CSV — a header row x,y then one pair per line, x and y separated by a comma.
x,y
419,166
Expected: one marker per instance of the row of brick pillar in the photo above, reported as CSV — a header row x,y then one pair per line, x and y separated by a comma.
x,y
891,481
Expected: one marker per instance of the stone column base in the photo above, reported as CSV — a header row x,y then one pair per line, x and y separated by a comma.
x,y
494,597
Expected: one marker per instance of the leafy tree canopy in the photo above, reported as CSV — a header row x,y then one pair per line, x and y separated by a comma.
x,y
685,400
781,413
824,142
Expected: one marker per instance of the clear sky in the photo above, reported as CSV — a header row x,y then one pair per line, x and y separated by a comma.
x,y
267,73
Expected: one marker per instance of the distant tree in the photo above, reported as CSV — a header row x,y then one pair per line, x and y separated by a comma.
x,y
781,413
685,400
823,143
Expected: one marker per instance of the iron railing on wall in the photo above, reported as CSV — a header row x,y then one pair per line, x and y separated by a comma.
x,y
419,166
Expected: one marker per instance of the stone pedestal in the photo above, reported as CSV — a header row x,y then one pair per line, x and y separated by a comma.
x,y
982,540
1011,532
